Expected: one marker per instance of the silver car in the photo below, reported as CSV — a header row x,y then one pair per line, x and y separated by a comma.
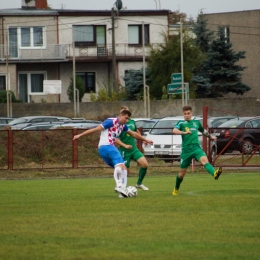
x,y
166,145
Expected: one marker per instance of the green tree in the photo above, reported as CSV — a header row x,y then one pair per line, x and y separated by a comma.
x,y
203,35
165,59
79,86
220,73
134,85
3,97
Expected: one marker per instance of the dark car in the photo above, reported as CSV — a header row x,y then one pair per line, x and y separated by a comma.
x,y
217,121
240,134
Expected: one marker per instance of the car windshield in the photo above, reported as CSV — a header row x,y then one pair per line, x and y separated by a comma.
x,y
148,124
164,127
233,123
18,121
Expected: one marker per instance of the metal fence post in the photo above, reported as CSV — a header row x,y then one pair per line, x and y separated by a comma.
x,y
74,150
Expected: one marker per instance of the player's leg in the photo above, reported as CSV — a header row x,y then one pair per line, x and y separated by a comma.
x,y
203,159
142,162
113,158
185,162
142,172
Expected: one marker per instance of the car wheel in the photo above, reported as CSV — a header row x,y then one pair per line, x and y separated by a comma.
x,y
248,146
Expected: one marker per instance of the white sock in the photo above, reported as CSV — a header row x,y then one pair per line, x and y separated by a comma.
x,y
118,176
124,178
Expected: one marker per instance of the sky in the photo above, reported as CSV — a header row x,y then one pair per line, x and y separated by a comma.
x,y
190,7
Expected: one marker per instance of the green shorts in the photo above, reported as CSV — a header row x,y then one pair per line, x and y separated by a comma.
x,y
130,154
188,154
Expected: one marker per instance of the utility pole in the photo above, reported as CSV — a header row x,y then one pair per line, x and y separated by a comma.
x,y
74,76
144,75
182,74
8,93
114,74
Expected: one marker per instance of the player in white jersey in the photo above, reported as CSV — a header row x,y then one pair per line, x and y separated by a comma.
x,y
110,129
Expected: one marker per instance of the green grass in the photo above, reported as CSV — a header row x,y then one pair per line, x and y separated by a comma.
x,y
84,219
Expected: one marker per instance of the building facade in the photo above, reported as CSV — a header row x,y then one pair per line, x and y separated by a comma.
x,y
43,44
243,29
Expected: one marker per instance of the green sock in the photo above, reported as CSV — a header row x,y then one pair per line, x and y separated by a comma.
x,y
178,182
209,168
141,175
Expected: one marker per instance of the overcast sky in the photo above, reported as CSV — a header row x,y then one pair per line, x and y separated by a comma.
x,y
190,7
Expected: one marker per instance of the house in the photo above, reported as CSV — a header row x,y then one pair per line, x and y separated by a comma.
x,y
244,33
42,44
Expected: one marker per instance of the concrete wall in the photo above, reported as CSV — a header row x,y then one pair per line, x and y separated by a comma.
x,y
100,110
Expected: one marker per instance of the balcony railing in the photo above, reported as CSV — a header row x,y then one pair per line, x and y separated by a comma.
x,y
63,51
50,52
121,49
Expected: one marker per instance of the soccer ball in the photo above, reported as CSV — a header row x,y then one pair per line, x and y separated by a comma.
x,y
131,191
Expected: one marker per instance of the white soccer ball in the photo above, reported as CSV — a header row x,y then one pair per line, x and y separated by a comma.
x,y
131,191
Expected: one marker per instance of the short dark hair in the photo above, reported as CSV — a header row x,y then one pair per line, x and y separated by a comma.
x,y
126,112
186,108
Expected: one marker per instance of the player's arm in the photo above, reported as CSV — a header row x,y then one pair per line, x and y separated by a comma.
x,y
126,146
206,133
89,131
176,131
139,137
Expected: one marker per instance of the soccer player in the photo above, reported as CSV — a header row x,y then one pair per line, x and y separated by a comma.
x,y
191,148
129,151
110,129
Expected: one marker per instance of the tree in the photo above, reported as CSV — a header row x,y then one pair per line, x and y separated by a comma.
x,y
220,73
203,35
134,83
79,86
3,97
166,59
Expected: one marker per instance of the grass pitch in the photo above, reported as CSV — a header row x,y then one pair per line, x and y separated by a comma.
x,y
85,219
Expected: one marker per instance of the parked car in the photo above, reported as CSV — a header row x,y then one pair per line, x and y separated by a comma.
x,y
5,121
22,122
147,126
217,121
139,121
243,133
166,145
81,125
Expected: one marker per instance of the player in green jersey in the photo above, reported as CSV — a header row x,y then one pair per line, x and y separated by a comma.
x,y
129,151
191,148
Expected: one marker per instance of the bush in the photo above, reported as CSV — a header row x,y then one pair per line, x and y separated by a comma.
x,y
79,86
3,97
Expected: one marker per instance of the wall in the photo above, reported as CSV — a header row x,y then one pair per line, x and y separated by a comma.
x,y
94,110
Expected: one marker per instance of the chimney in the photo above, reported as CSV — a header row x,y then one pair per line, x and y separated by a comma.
x,y
41,4
32,4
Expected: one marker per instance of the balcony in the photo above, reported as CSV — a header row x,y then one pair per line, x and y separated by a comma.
x,y
50,52
123,51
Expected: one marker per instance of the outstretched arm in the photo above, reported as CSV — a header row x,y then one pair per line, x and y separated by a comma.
x,y
89,131
176,131
138,136
206,133
119,142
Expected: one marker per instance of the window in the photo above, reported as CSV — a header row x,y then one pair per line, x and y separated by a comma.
x,y
85,35
30,83
226,33
31,37
25,37
89,81
2,82
135,35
